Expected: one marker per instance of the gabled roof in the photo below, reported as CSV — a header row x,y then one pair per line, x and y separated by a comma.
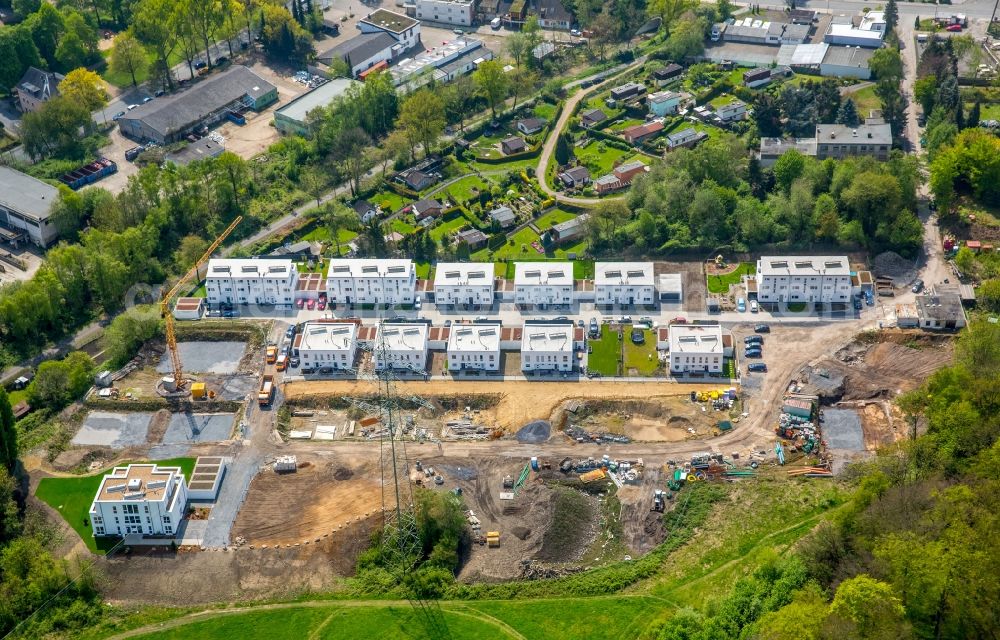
x,y
40,84
359,48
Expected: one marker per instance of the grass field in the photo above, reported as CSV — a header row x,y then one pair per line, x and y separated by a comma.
x,y
582,269
865,100
390,201
72,497
467,188
721,284
641,357
604,352
601,162
124,80
447,227
545,111
553,218
402,226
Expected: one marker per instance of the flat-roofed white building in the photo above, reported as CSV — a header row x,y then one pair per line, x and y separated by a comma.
x,y
624,283
458,12
250,281
803,279
328,344
546,347
465,283
543,283
401,346
371,281
141,499
474,346
695,348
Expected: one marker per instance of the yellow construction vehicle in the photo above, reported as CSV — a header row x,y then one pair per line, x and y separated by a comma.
x,y
168,317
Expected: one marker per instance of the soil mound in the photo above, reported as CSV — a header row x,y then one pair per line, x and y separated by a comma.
x,y
535,432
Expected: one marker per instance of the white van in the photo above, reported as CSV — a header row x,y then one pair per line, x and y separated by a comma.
x,y
495,24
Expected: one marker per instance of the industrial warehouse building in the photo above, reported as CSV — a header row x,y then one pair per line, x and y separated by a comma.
x,y
291,118
25,205
171,118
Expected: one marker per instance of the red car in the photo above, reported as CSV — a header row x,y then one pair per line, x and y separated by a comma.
x,y
310,304
678,320
953,27
300,303
322,304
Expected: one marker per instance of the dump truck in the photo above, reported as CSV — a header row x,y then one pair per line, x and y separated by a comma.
x,y
493,538
272,353
266,393
281,363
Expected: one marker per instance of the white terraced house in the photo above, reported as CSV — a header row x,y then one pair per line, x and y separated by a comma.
x,y
328,344
464,283
624,283
546,347
803,279
474,346
371,281
696,348
401,346
543,283
141,499
250,281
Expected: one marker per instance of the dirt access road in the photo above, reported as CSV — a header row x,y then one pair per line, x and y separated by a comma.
x,y
550,143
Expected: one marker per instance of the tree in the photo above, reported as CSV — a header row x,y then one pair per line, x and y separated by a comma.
x,y
886,65
128,56
523,81
46,26
604,34
767,114
152,26
891,15
848,114
422,117
669,11
8,434
788,168
989,295
973,118
59,382
53,130
17,53
687,40
70,53
339,217
86,88
870,604
517,47
205,18
564,151
493,83
282,36
131,329
313,182
348,149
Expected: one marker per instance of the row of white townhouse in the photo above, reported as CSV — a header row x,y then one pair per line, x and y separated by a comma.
x,y
394,281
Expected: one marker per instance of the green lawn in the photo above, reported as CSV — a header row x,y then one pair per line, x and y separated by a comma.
x,y
402,226
518,247
729,368
626,123
467,188
641,357
390,201
987,110
582,269
447,227
545,111
601,158
322,234
569,619
553,218
604,352
865,100
123,80
72,497
512,165
423,269
721,284
724,99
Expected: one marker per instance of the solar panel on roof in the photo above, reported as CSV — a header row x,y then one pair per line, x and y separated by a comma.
x,y
451,274
533,273
247,268
397,269
779,264
555,274
477,274
613,274
411,332
341,268
369,269
833,264
636,274
803,264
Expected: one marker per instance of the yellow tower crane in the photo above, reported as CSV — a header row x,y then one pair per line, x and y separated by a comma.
x,y
175,358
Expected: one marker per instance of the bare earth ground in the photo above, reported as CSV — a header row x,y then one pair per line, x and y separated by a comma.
x,y
321,498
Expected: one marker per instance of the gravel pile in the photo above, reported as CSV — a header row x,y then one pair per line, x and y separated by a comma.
x,y
535,432
892,265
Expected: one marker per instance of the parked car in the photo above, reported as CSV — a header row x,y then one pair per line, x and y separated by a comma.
x,y
762,328
857,304
755,339
147,99
679,320
756,367
447,323
290,332
321,305
200,64
625,320
753,306
118,116
918,286
752,352
131,106
458,32
300,303
293,362
741,305
133,153
638,336
228,313
595,329
953,27
580,323
417,303
310,304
